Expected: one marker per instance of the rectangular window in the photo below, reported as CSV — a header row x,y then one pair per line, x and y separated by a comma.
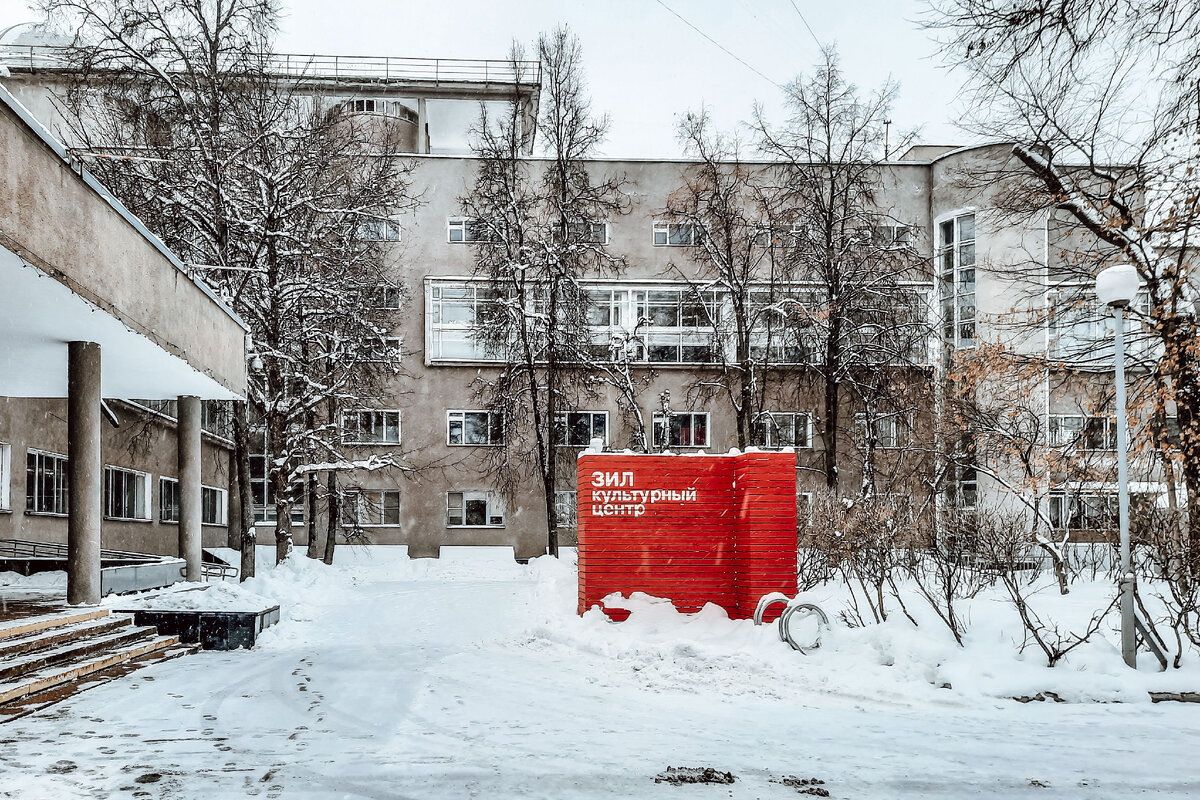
x,y
379,230
5,476
566,506
588,232
784,429
578,428
678,325
1083,432
368,105
475,509
464,229
385,295
453,309
168,500
689,429
674,234
956,270
45,483
887,429
213,506
1085,511
474,428
385,349
371,426
371,507
126,494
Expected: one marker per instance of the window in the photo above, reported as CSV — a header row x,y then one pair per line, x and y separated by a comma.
x,y
681,430
453,310
45,483
588,232
380,229
465,229
371,507
385,295
887,429
566,507
1084,511
679,325
168,500
1080,331
385,349
368,106
680,234
261,488
370,426
1083,432
5,476
784,429
478,509
474,428
126,494
578,428
213,506
778,234
956,268
892,236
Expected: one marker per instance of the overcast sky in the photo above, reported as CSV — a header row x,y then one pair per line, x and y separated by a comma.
x,y
645,64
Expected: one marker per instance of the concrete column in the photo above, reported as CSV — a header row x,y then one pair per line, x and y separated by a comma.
x,y
85,473
190,493
422,126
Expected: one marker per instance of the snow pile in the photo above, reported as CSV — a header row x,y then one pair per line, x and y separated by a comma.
x,y
56,579
218,596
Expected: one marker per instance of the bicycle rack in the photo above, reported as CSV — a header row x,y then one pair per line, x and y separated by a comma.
x,y
804,610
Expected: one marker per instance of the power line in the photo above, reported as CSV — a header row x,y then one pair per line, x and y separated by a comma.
x,y
723,48
806,25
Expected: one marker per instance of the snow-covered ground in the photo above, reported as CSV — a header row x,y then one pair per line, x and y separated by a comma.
x,y
472,677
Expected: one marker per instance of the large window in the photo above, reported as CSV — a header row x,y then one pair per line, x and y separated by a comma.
x,y
578,428
453,310
1080,331
678,234
1083,511
379,230
1083,432
689,429
371,507
45,483
126,494
474,428
784,429
465,229
372,426
168,500
956,270
5,476
213,506
474,509
679,324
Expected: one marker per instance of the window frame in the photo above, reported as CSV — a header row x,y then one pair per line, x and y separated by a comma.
x,y
764,416
5,477
163,480
358,426
564,418
223,496
361,502
385,292
388,226
664,227
489,497
464,226
141,514
948,273
61,480
489,426
659,419
1080,441
892,418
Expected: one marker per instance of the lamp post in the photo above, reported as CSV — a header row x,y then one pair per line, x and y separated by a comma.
x,y
1116,287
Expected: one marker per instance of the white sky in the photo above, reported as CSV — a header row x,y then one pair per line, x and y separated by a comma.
x,y
645,66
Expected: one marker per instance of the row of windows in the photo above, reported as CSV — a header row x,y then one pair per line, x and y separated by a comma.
x,y
480,508
126,491
579,428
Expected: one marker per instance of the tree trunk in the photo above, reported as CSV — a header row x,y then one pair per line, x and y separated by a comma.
x,y
241,444
335,515
313,550
277,470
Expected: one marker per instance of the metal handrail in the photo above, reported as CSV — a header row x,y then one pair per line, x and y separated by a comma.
x,y
294,65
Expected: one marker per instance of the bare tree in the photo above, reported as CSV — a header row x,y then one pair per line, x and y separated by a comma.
x,y
537,228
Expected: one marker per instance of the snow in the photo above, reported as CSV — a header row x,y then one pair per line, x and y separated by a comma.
x,y
216,596
473,676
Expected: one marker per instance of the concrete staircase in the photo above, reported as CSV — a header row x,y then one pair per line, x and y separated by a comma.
x,y
47,658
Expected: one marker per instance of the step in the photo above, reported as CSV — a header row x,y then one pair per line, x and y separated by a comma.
x,y
29,625
14,668
29,704
53,676
40,640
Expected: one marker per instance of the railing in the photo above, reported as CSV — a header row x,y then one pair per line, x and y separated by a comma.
x,y
22,549
351,68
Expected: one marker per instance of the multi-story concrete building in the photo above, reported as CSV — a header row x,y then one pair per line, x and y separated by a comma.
x,y
435,419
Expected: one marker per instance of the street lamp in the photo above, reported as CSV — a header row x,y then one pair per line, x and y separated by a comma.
x,y
1116,287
